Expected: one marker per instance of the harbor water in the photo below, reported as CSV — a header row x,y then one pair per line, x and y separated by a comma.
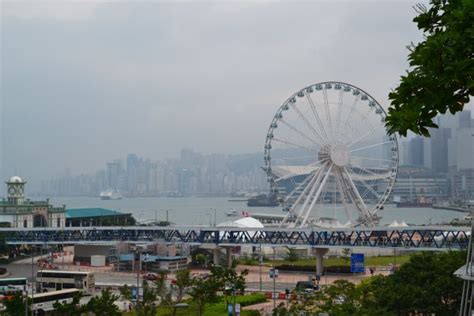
x,y
207,211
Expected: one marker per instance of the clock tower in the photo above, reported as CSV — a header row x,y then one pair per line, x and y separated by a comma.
x,y
16,190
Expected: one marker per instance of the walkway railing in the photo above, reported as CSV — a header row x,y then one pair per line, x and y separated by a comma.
x,y
423,237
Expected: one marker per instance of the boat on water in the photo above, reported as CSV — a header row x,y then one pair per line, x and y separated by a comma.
x,y
262,200
110,195
419,201
231,213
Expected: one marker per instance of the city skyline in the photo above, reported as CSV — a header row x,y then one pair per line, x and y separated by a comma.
x,y
208,76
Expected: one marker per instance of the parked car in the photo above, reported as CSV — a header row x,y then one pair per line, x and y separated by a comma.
x,y
150,277
306,286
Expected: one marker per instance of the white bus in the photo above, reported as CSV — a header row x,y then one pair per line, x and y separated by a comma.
x,y
19,283
53,280
43,302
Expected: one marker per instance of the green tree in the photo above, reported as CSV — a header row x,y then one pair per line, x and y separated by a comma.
x,y
126,292
147,305
183,282
15,306
204,291
228,280
68,309
104,304
425,284
200,259
441,75
292,254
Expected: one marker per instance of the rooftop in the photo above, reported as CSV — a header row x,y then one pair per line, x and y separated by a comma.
x,y
92,212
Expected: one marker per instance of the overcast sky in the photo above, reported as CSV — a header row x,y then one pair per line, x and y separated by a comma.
x,y
85,82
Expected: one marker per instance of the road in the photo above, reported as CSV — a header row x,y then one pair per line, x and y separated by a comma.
x,y
285,280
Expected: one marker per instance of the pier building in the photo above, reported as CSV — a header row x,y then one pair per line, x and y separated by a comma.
x,y
26,213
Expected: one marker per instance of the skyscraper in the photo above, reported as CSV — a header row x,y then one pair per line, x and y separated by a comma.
x,y
416,157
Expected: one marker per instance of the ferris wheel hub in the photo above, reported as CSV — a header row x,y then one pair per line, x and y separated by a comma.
x,y
340,155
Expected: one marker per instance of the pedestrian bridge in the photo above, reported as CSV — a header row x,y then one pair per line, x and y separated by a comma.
x,y
422,237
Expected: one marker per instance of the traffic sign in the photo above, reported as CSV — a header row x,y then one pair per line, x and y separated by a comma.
x,y
357,263
273,273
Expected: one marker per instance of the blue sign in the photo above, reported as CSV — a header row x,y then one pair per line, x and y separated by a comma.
x,y
357,263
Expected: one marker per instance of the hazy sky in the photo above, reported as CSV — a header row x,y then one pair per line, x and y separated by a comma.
x,y
84,82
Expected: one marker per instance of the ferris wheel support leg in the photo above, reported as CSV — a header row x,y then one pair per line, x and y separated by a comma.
x,y
320,188
343,195
359,202
305,190
314,187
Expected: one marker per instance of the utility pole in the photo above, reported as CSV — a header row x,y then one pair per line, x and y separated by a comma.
x,y
137,255
274,277
32,280
466,273
260,268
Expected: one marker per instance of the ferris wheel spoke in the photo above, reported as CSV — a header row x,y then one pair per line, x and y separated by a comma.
x,y
294,144
343,197
315,114
308,124
370,188
312,190
309,185
339,108
299,132
300,186
378,176
351,111
370,132
358,200
316,196
374,159
287,159
328,113
371,146
293,174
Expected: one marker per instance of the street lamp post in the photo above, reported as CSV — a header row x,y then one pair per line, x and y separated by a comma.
x,y
137,256
260,268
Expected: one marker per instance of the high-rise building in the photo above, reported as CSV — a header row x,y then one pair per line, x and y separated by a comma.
x,y
465,120
114,175
416,156
439,149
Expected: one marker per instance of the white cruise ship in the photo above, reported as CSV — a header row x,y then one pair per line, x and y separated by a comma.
x,y
110,195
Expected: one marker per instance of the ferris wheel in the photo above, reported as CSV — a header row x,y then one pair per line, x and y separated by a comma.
x,y
328,157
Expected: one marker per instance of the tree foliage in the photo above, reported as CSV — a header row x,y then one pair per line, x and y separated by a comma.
x,y
425,286
441,75
183,282
103,304
15,306
69,309
204,289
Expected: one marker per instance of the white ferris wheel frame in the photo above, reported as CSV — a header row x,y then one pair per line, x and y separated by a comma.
x,y
334,159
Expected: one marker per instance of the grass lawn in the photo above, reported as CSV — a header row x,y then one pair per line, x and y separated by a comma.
x,y
218,309
369,261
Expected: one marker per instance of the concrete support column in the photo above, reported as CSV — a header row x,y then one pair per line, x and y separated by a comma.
x,y
319,253
228,252
215,255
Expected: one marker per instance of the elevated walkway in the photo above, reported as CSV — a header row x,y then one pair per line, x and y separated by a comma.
x,y
422,237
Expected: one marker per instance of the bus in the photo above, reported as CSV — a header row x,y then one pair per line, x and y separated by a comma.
x,y
43,302
19,283
54,280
